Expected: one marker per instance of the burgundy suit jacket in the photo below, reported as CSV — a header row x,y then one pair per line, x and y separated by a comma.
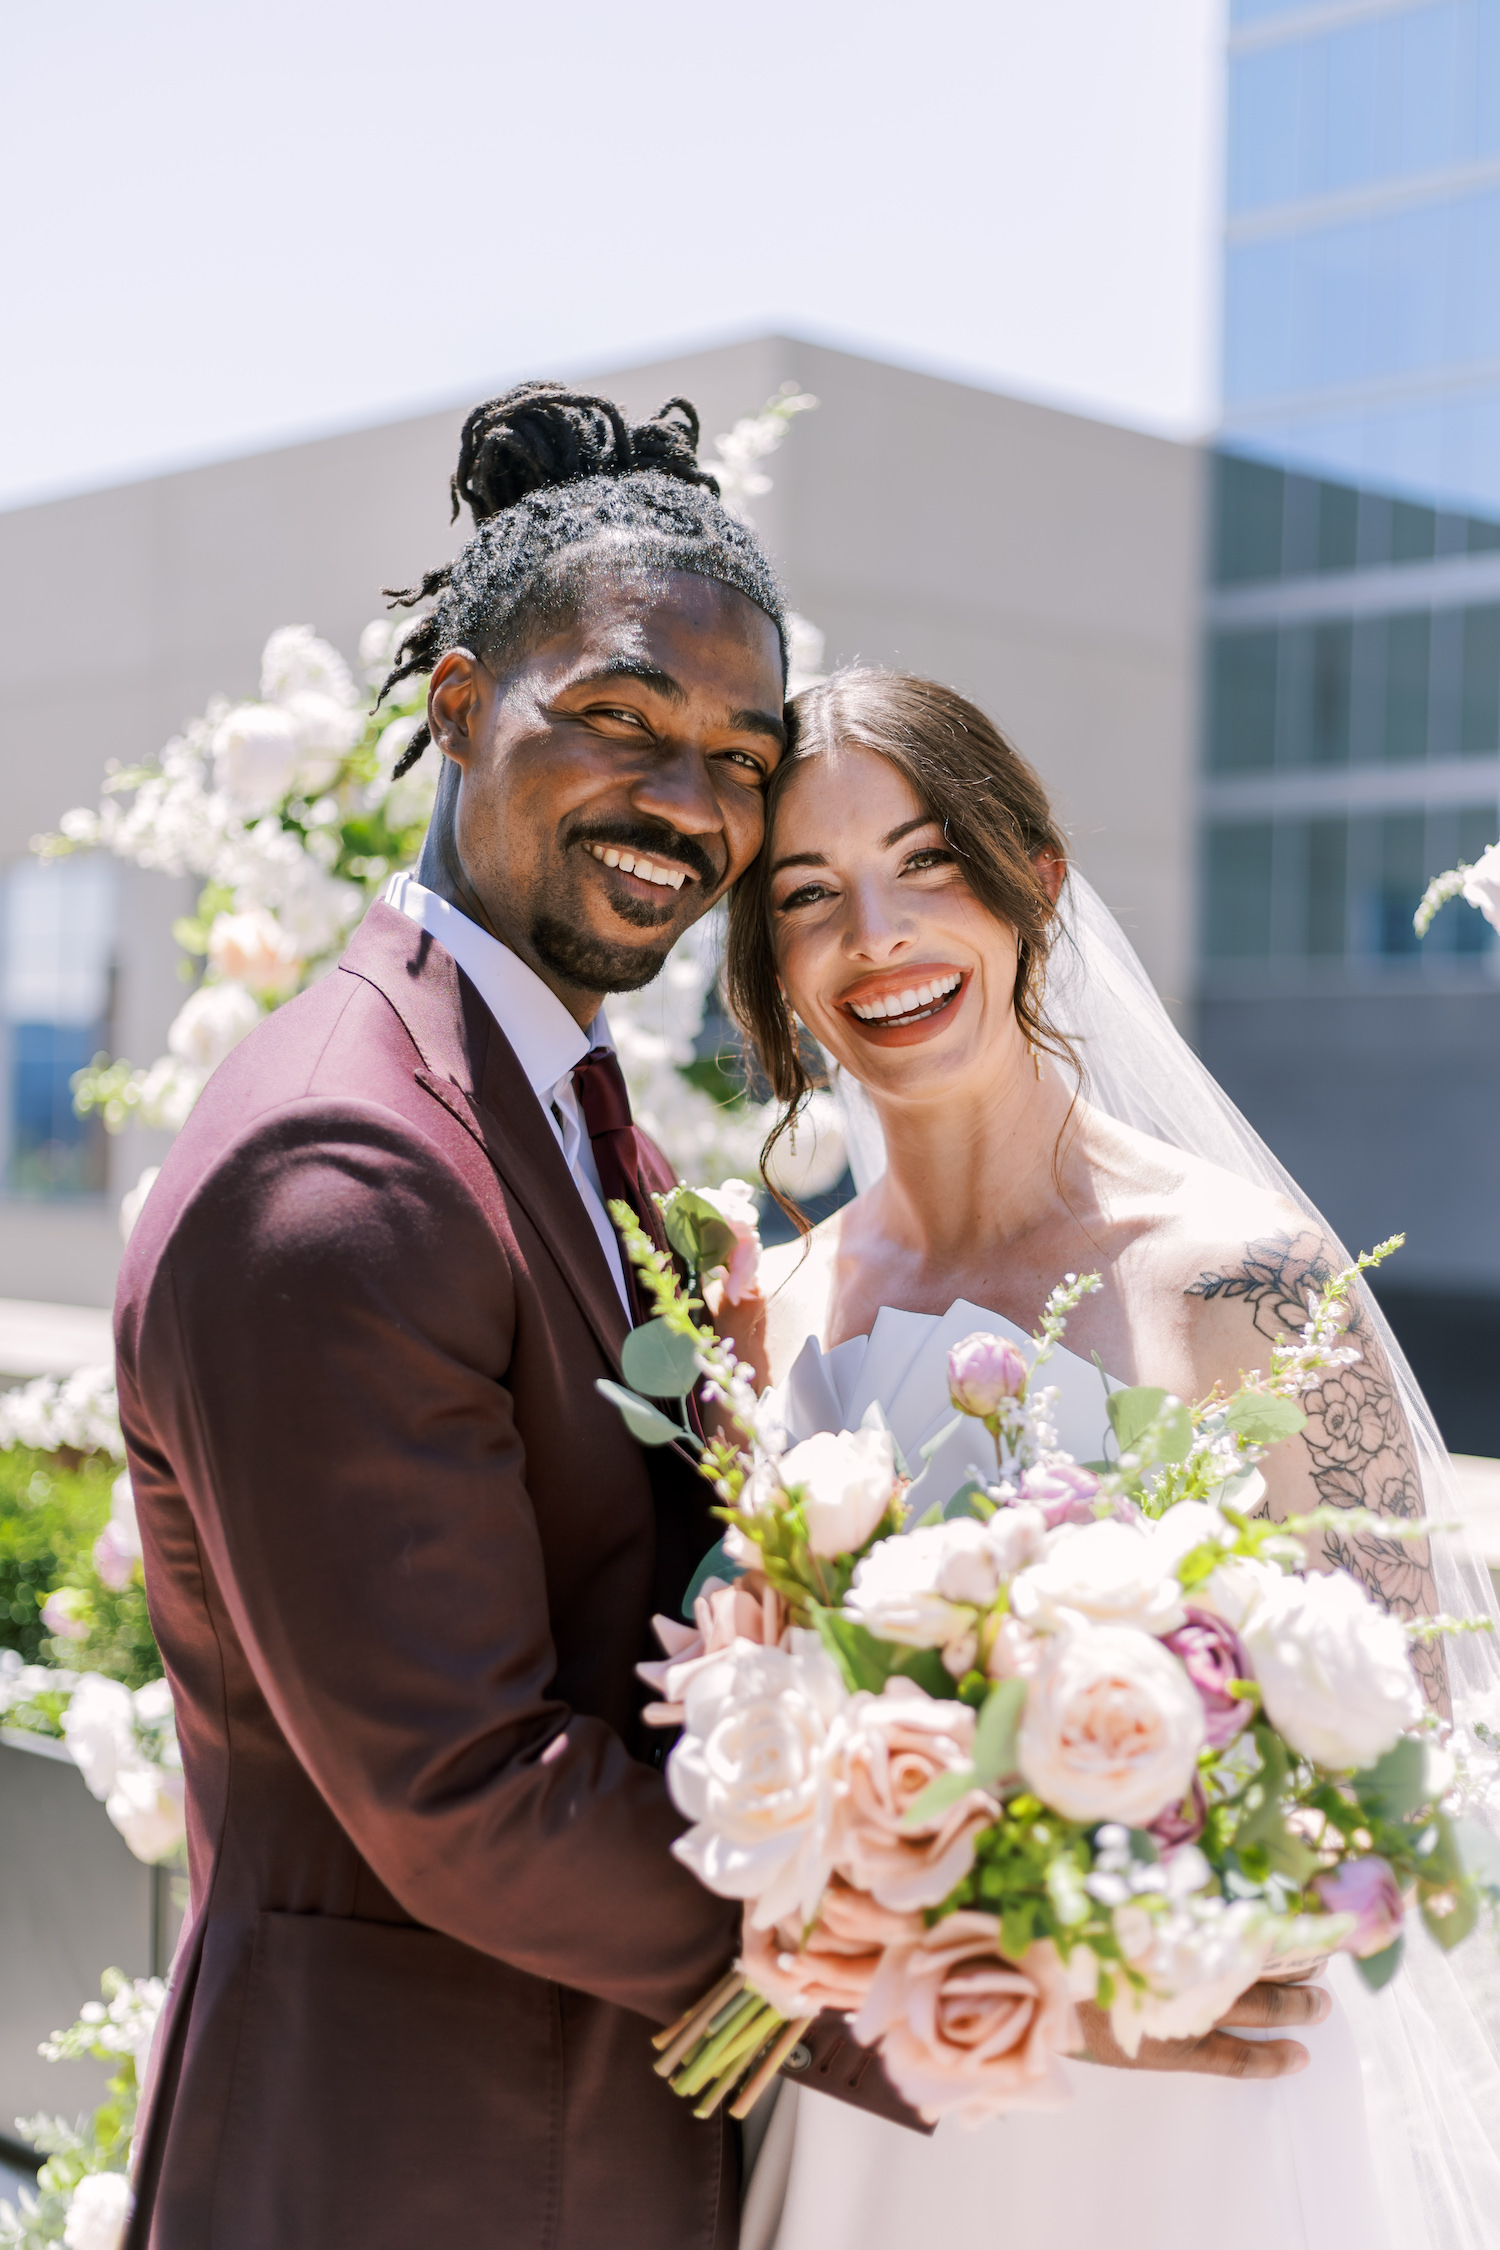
x,y
401,1560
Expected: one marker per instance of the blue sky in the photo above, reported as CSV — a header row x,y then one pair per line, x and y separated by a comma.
x,y
234,224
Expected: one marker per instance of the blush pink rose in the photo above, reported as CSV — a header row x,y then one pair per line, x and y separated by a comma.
x,y
834,1965
1063,1491
1367,1889
894,1744
747,1610
964,2032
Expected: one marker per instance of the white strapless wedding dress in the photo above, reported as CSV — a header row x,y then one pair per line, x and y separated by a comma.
x,y
1141,2160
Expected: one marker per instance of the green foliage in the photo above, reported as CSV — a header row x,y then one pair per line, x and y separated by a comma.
x,y
659,1361
51,1512
645,1422
1263,1417
867,1663
112,2032
696,1231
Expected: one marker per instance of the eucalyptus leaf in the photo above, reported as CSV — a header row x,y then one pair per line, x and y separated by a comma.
x,y
1478,1850
659,1361
1451,1927
1377,1969
864,1661
1173,1435
971,1499
645,1422
933,1443
995,1734
1394,1786
1132,1412
1263,1419
696,1231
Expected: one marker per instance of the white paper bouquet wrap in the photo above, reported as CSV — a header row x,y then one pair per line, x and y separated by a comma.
x,y
1078,1734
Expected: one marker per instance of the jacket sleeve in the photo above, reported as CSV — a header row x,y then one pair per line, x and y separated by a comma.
x,y
321,1353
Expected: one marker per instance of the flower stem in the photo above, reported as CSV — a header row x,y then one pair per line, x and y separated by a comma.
x,y
737,2058
702,2065
701,2010
751,2094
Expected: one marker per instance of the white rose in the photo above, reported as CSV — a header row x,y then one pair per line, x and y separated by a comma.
x,y
923,1588
1112,1726
253,949
257,748
1334,1671
1197,1959
1232,1591
146,1805
848,1479
753,1770
98,2212
1115,1573
1482,886
211,1024
99,1729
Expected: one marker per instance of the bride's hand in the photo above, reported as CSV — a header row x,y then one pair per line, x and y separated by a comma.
x,y
1265,2007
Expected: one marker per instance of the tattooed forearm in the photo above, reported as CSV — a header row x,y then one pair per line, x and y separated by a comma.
x,y
1357,1443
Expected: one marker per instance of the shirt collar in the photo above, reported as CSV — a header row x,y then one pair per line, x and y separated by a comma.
x,y
547,1041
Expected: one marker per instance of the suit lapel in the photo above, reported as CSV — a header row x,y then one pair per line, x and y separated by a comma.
x,y
469,1066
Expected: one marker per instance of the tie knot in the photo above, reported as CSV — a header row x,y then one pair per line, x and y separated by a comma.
x,y
599,1084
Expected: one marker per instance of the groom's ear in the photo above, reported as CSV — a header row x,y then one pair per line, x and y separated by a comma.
x,y
1053,872
453,703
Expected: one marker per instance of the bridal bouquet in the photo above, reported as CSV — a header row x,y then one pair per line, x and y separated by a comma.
x,y
1076,1731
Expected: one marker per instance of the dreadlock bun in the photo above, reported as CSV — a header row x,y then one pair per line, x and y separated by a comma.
x,y
541,434
560,483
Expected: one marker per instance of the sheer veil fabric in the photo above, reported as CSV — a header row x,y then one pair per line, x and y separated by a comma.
x,y
1430,2042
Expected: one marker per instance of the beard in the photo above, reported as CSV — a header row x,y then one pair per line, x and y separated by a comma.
x,y
595,964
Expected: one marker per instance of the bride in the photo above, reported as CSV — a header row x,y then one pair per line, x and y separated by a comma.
x,y
1021,1110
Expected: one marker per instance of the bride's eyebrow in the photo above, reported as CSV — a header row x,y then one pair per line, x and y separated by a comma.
x,y
819,859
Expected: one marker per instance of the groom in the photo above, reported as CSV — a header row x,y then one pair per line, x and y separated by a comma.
x,y
401,1555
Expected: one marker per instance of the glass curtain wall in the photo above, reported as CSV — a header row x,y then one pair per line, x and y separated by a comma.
x,y
57,937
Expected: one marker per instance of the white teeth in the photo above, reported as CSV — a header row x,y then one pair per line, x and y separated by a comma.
x,y
670,878
906,1003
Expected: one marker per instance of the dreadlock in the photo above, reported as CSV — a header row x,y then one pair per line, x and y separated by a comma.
x,y
546,473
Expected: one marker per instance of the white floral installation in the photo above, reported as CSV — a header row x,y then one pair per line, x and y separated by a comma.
x,y
1477,885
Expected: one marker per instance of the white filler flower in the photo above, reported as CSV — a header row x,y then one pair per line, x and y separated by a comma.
x,y
1333,1669
211,1023
257,748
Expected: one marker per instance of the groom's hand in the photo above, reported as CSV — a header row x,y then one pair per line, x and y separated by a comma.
x,y
1265,2007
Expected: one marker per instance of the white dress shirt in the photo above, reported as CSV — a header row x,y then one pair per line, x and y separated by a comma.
x,y
548,1042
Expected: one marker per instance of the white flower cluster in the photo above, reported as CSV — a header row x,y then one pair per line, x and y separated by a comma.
x,y
78,1412
125,1746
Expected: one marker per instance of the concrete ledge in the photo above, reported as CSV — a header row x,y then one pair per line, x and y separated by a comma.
x,y
42,1339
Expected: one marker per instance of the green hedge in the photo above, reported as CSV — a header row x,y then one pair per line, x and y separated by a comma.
x,y
51,1512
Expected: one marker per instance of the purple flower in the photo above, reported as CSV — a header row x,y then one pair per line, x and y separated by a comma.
x,y
984,1374
1064,1492
1181,1823
1367,1889
1212,1655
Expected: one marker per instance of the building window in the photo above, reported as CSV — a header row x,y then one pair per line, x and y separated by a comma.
x,y
1272,523
56,976
1341,889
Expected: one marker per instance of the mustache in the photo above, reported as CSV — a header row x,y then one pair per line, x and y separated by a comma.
x,y
652,839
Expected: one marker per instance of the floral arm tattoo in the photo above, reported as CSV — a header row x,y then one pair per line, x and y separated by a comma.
x,y
1356,1436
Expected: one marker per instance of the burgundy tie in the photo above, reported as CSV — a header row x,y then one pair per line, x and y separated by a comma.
x,y
618,1146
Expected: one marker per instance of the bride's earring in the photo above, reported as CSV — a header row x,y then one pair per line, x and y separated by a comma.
x,y
1036,1056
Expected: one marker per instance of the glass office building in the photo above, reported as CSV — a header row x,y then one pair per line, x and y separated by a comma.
x,y
1352,690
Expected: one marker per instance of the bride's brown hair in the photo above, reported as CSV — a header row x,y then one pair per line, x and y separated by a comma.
x,y
995,819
